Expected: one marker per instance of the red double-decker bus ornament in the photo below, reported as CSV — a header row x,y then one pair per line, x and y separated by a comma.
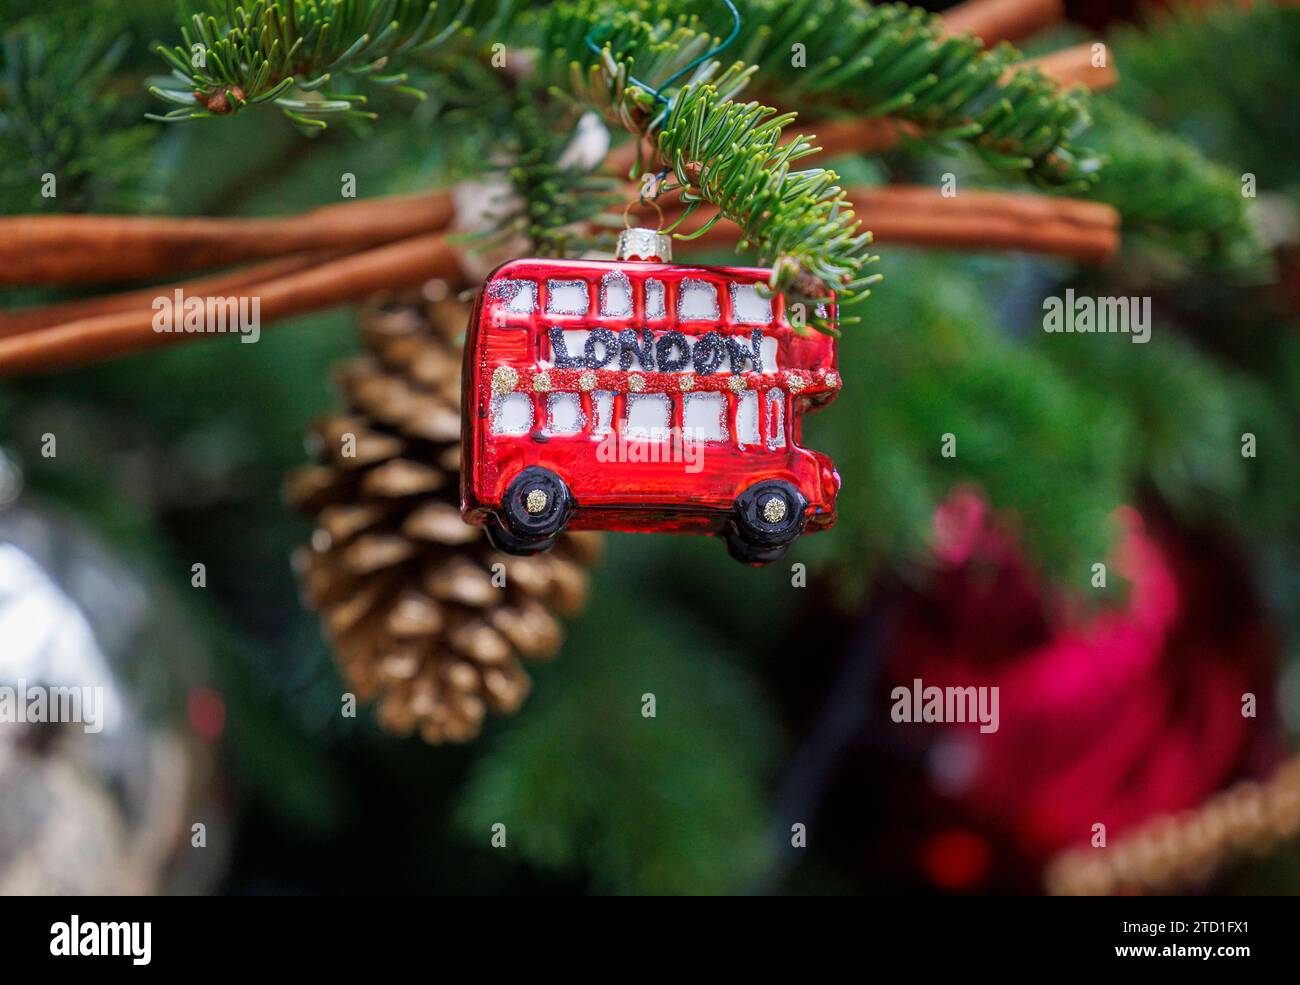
x,y
644,396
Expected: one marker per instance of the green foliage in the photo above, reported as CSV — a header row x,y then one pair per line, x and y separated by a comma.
x,y
1174,201
799,222
585,784
559,195
287,52
1186,417
1222,77
61,115
897,60
861,60
929,361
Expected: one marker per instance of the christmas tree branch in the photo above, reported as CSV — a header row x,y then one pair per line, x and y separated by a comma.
x,y
1069,66
288,52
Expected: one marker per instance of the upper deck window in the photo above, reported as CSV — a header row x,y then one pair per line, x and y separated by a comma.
x,y
516,296
566,297
616,295
697,301
748,306
654,299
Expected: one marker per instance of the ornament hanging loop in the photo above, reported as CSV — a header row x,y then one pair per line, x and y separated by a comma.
x,y
627,214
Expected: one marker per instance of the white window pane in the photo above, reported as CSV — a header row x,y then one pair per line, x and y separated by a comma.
x,y
512,413
747,418
698,301
564,414
748,307
704,417
775,419
616,295
566,297
768,349
602,402
654,299
517,296
648,415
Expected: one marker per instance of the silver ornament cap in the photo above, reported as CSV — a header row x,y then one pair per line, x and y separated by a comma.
x,y
640,243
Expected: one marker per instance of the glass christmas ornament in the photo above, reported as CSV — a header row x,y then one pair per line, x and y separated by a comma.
x,y
645,396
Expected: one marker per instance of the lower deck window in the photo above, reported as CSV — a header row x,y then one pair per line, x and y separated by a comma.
x,y
648,415
704,416
775,419
512,413
564,414
747,418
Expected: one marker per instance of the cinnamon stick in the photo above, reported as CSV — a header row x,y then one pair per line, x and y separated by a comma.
x,y
21,320
410,261
60,249
1087,232
1003,20
1074,66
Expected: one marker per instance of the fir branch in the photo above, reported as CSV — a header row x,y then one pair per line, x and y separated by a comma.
x,y
799,222
858,59
59,117
288,52
558,197
901,61
1175,202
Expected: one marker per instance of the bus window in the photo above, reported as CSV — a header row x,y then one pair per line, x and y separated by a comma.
x,y
648,415
775,418
519,296
654,299
704,416
512,413
747,418
602,403
748,307
616,295
564,414
698,301
566,297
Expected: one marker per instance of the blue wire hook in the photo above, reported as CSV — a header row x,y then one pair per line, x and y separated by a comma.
x,y
658,93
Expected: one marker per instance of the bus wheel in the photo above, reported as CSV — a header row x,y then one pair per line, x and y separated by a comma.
x,y
534,513
769,518
507,543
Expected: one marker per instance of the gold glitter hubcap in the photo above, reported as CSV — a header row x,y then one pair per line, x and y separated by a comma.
x,y
535,501
774,509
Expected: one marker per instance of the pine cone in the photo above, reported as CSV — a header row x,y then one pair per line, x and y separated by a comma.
x,y
410,596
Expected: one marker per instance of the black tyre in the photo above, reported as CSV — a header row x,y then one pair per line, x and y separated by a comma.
x,y
507,543
747,553
536,508
769,518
